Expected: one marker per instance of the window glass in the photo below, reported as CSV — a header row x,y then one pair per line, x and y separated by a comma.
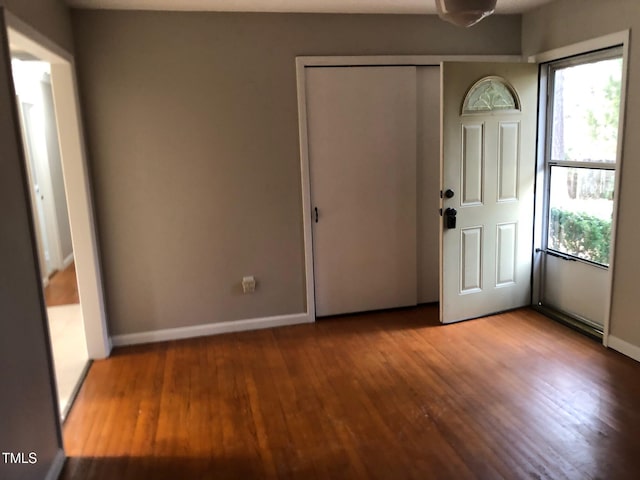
x,y
586,106
580,212
585,110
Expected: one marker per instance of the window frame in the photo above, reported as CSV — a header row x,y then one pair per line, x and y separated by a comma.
x,y
549,70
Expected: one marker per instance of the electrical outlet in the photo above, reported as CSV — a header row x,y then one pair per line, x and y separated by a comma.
x,y
248,284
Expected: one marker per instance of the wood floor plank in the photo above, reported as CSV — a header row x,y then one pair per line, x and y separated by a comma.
x,y
382,395
62,288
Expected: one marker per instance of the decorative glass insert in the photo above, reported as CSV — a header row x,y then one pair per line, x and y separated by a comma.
x,y
489,94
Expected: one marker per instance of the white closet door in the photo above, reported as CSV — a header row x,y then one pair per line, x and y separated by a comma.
x,y
362,151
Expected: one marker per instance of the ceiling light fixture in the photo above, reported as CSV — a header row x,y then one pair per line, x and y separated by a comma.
x,y
464,13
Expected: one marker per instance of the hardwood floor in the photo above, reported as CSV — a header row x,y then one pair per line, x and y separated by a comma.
x,y
67,335
388,395
62,288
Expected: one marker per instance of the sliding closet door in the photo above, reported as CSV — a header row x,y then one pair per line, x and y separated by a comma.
x,y
362,154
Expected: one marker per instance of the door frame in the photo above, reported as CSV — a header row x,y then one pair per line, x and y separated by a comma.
x,y
76,178
607,41
304,62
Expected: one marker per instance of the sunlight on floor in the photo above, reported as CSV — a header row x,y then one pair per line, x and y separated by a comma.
x,y
69,350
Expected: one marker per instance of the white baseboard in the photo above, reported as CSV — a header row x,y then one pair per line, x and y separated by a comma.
x,y
625,348
209,329
56,466
67,261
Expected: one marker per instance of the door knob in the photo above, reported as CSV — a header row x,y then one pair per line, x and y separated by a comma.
x,y
450,217
449,193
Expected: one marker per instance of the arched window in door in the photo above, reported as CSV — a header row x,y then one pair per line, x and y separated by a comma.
x,y
490,94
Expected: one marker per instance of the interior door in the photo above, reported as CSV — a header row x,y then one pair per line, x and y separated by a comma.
x,y
488,182
362,153
37,197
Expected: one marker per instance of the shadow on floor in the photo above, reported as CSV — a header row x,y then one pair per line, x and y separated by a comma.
x,y
140,468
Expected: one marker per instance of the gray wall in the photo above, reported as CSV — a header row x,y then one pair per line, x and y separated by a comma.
x,y
49,17
549,27
193,137
29,413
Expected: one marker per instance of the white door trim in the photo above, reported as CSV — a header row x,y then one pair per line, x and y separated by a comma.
x,y
607,41
76,179
598,43
304,62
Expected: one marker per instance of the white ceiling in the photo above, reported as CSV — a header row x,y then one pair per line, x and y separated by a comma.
x,y
301,6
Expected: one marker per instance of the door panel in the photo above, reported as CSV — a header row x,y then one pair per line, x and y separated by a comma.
x,y
471,260
506,247
472,163
362,154
488,161
508,161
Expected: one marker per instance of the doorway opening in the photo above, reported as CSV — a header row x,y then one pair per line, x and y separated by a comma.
x,y
579,170
34,98
53,145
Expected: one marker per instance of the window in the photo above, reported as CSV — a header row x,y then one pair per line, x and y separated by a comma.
x,y
581,158
489,94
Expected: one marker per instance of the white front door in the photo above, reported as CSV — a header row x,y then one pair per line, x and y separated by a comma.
x,y
362,154
488,182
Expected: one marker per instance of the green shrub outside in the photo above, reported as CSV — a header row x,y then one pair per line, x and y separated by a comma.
x,y
580,234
